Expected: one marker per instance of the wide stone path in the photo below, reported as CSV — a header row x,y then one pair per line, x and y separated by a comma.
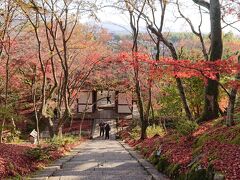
x,y
101,159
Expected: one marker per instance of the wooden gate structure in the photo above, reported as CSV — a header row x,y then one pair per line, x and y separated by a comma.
x,y
97,105
103,105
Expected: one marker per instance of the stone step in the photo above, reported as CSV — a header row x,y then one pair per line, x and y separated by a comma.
x,y
103,177
95,161
98,169
94,165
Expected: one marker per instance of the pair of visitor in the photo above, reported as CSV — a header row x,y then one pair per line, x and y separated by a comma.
x,y
104,127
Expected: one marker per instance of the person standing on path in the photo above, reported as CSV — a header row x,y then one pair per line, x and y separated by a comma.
x,y
102,126
107,129
108,98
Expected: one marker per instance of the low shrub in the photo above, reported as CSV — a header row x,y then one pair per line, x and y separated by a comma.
x,y
197,172
162,164
11,136
200,141
173,170
44,153
153,130
58,141
135,133
236,140
39,153
154,159
185,127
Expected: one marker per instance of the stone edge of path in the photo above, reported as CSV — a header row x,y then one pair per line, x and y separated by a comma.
x,y
151,170
49,170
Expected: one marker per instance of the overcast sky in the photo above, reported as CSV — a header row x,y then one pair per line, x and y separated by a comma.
x,y
172,21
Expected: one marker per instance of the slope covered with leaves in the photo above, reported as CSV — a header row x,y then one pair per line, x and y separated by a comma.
x,y
17,160
212,149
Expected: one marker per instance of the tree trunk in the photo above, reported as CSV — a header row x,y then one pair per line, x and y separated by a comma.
x,y
184,99
174,55
134,24
34,89
210,110
149,101
231,105
50,127
144,123
6,88
1,130
83,116
211,90
231,102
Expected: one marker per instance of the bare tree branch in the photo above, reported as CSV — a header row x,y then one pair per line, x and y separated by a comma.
x,y
202,3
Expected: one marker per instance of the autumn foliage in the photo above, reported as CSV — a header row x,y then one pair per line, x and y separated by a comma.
x,y
206,146
22,159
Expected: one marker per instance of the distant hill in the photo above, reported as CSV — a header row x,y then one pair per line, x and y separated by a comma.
x,y
115,28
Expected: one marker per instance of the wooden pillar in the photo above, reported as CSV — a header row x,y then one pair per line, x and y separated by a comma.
x,y
77,107
116,101
94,100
